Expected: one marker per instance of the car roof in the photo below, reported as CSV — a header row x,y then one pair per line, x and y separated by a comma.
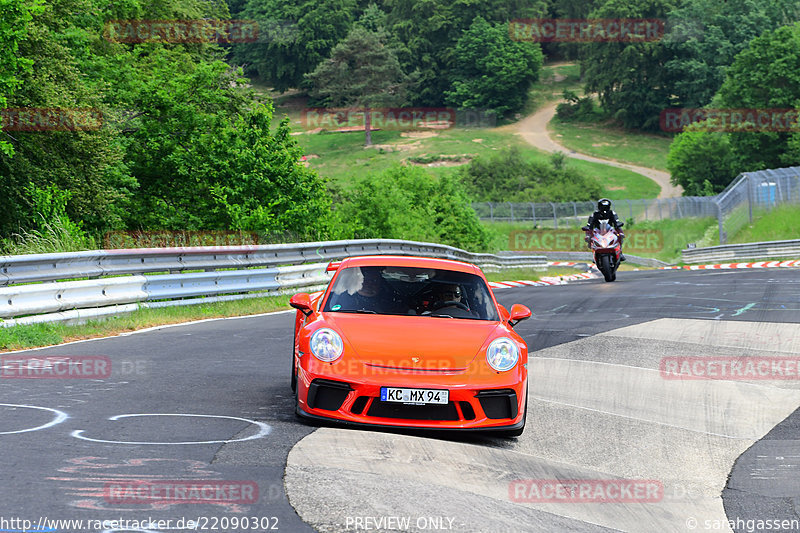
x,y
410,261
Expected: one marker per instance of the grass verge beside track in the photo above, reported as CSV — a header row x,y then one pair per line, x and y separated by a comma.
x,y
38,335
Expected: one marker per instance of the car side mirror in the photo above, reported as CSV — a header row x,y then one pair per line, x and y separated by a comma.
x,y
518,313
302,302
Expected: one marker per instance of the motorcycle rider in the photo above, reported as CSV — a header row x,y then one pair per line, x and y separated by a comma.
x,y
604,212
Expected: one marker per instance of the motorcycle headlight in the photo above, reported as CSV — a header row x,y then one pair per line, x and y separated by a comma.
x,y
502,354
326,345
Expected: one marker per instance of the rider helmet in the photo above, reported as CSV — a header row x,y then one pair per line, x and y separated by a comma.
x,y
604,205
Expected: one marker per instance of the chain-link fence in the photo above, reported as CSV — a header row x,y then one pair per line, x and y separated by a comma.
x,y
754,193
749,195
571,214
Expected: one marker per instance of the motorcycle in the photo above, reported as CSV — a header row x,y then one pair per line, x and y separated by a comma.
x,y
606,248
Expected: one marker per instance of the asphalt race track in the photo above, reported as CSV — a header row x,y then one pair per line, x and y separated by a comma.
x,y
209,404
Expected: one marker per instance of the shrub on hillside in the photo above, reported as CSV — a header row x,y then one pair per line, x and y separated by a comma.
x,y
409,203
510,177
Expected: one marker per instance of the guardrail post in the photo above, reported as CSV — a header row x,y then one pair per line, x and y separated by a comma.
x,y
533,212
555,218
719,223
491,211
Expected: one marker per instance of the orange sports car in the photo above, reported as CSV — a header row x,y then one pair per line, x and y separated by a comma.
x,y
410,342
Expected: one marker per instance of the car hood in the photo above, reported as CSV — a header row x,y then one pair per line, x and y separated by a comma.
x,y
424,343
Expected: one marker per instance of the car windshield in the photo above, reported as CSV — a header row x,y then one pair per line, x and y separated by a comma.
x,y
393,290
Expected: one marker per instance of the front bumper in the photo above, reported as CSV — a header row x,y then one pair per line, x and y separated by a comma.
x,y
494,402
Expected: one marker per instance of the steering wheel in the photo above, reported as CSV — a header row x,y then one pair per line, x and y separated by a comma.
x,y
448,303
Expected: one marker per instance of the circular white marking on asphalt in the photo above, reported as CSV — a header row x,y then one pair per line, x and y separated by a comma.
x,y
60,417
262,432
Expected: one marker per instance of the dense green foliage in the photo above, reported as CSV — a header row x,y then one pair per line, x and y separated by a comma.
x,y
763,76
509,177
766,75
630,77
701,162
295,36
705,36
361,72
409,203
186,144
14,17
183,144
490,70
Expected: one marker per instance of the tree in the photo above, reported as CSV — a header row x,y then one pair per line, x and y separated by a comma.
x,y
492,71
706,35
361,72
295,36
409,203
508,176
630,77
14,17
702,162
425,33
766,75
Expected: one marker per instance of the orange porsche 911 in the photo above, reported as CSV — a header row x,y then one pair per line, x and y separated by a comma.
x,y
410,342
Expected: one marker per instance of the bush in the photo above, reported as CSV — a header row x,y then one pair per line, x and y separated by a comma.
x,y
409,203
702,162
576,107
509,177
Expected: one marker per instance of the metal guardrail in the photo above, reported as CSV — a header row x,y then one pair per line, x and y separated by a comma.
x,y
98,263
733,252
102,296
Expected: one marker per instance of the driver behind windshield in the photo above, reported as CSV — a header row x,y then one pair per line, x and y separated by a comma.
x,y
447,292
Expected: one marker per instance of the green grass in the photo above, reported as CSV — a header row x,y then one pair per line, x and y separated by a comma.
x,y
676,234
776,225
341,157
618,183
607,142
36,335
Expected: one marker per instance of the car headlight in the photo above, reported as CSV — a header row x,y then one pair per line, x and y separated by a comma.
x,y
326,345
502,354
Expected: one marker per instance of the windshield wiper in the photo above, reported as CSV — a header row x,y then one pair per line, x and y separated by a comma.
x,y
356,311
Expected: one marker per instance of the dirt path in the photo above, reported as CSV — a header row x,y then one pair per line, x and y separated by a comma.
x,y
533,129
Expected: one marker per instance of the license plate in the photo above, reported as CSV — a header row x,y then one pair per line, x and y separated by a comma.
x,y
415,396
